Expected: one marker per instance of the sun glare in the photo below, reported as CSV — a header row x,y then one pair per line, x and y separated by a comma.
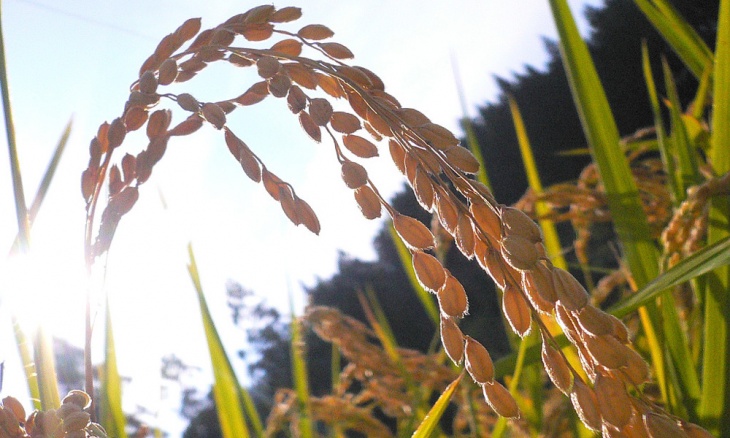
x,y
45,289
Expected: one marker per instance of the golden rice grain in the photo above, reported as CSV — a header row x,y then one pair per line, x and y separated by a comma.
x,y
290,47
15,407
465,236
279,85
117,132
267,66
411,117
516,310
157,125
586,405
413,232
311,128
495,266
255,94
569,291
478,361
353,174
539,289
344,122
336,50
636,369
452,297
437,136
445,210
285,15
368,202
519,252
188,102
214,115
462,158
486,219
359,146
595,321
500,400
398,155
695,431
302,75
452,340
320,110
329,85
662,426
187,126
76,421
517,223
613,401
606,351
315,32
148,82
296,100
429,271
134,118
557,367
423,189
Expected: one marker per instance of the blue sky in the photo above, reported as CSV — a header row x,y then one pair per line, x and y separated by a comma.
x,y
77,59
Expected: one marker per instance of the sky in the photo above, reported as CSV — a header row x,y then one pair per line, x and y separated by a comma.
x,y
76,60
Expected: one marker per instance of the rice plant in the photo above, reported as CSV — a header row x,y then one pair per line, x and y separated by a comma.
x,y
625,382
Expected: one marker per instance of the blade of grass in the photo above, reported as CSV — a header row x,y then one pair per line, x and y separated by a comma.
x,y
45,367
705,260
405,258
678,33
110,407
663,144
45,184
299,370
21,209
715,403
430,422
26,357
225,387
684,152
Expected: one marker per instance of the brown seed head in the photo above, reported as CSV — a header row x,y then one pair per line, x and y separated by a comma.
x,y
586,405
478,361
613,401
557,368
354,174
452,339
516,310
452,298
429,271
516,222
539,288
12,405
267,66
188,102
413,232
214,115
500,400
570,292
519,252
368,202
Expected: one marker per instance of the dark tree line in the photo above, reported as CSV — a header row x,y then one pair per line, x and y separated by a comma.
x,y
552,123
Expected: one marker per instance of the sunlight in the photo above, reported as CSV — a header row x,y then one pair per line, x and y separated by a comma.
x,y
46,289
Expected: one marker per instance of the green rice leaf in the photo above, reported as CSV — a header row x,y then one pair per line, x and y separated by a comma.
x,y
678,33
111,413
21,209
45,367
715,403
430,423
225,387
